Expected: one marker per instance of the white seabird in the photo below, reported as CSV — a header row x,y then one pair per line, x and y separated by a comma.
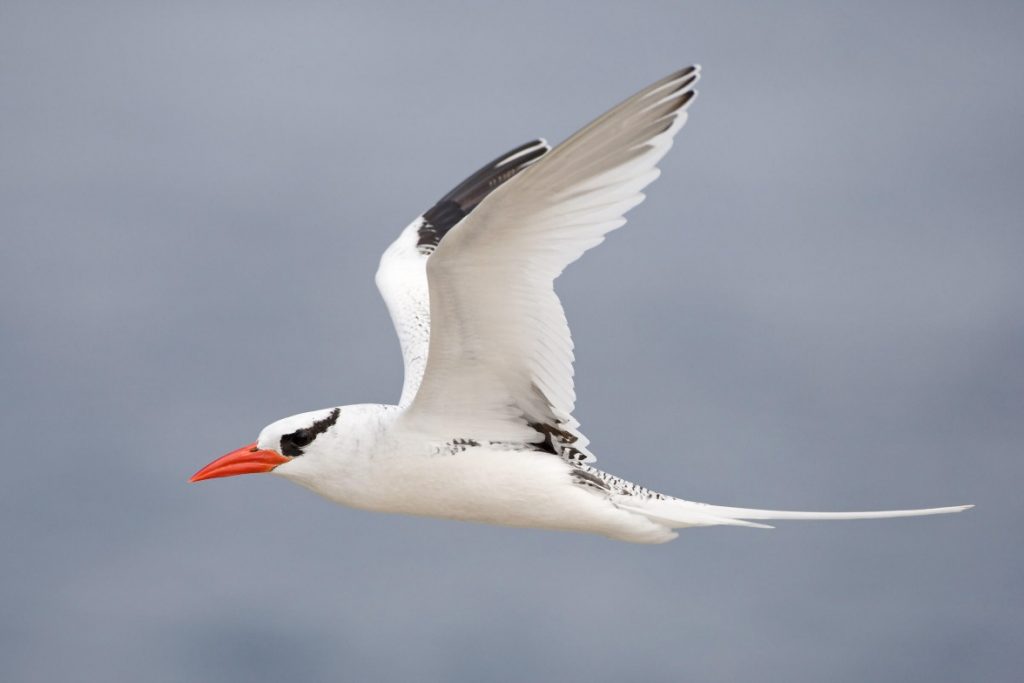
x,y
484,430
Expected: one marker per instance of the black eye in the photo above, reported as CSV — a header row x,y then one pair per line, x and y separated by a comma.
x,y
302,438
292,444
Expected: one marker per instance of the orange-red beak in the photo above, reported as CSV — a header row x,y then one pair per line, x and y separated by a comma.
x,y
246,460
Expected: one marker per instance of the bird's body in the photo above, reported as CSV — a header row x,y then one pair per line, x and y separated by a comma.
x,y
484,430
388,469
512,485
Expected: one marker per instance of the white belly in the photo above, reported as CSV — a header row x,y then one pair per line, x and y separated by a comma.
x,y
511,488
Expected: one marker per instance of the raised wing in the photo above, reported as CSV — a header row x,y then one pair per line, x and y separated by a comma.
x,y
499,366
402,277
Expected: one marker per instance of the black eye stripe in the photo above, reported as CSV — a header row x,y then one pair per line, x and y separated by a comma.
x,y
292,444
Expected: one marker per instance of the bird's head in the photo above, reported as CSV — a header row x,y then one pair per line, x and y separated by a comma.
x,y
280,446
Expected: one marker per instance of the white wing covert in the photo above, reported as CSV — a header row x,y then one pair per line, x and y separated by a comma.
x,y
402,276
499,366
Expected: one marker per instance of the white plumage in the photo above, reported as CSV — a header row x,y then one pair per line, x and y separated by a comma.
x,y
484,429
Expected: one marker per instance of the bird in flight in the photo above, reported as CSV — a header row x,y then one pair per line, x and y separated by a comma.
x,y
484,429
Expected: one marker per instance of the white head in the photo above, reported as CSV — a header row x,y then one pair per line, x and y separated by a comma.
x,y
283,445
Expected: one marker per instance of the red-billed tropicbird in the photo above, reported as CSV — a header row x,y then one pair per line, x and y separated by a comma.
x,y
484,430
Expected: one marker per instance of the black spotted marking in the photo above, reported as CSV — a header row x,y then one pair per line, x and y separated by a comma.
x,y
574,455
292,444
468,194
589,479
556,441
460,445
554,438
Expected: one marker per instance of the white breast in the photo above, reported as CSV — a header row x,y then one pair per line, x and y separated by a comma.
x,y
480,484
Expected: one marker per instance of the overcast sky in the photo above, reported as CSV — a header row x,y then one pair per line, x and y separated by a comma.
x,y
820,306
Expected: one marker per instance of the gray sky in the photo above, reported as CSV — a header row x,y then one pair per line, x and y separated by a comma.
x,y
819,306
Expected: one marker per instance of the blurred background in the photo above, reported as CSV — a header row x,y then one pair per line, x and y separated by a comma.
x,y
820,306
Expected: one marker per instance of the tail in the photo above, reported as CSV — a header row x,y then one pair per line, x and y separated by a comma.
x,y
676,513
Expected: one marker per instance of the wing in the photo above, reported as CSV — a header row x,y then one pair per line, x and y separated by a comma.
x,y
499,366
402,276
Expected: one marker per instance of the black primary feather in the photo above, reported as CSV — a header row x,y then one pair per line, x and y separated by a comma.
x,y
468,194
